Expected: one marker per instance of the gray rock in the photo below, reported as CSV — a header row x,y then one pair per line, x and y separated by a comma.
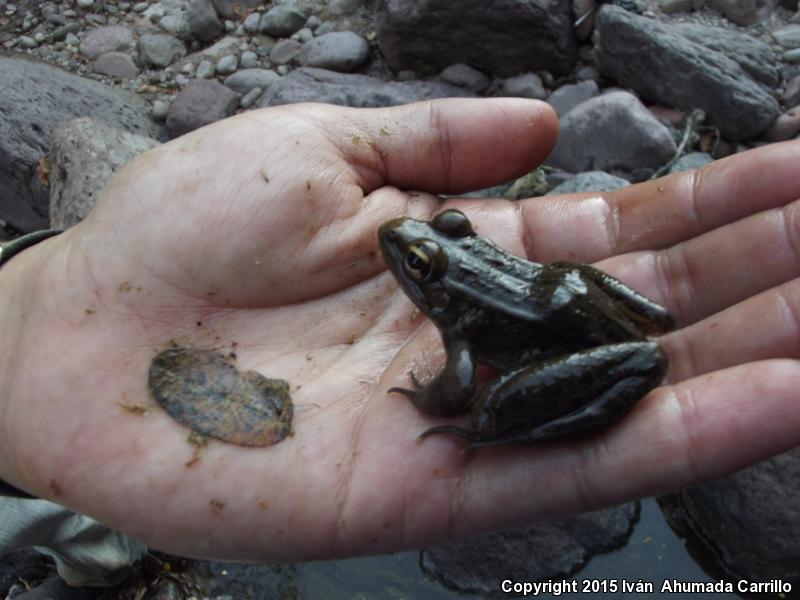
x,y
465,77
751,520
28,42
282,20
568,96
337,51
251,22
116,64
200,103
248,60
670,7
227,64
113,38
86,152
60,33
250,97
692,160
344,7
284,52
234,9
537,553
318,85
187,19
205,70
245,80
34,99
160,110
527,85
743,12
791,95
612,131
680,66
590,181
504,37
785,127
788,37
160,49
303,35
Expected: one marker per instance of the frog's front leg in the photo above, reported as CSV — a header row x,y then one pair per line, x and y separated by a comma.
x,y
569,394
451,391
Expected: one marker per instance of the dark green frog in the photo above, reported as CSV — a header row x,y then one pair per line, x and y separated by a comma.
x,y
569,341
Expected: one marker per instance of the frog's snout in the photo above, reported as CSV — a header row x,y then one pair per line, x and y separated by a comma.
x,y
390,229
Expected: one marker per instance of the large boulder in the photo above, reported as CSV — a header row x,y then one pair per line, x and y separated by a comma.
x,y
34,99
725,73
318,85
504,37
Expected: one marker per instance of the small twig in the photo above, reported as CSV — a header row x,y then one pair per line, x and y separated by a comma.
x,y
692,121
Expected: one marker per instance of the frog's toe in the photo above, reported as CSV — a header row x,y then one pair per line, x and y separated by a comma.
x,y
404,391
467,434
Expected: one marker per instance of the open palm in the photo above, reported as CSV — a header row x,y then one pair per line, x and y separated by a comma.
x,y
257,236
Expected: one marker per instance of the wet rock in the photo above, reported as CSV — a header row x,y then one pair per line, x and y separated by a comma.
x,y
34,99
227,64
692,160
116,64
788,37
86,152
343,51
568,96
112,38
547,551
284,52
465,77
785,126
750,521
725,73
247,79
612,131
318,85
200,103
160,49
743,12
234,9
504,37
590,181
187,19
527,85
282,20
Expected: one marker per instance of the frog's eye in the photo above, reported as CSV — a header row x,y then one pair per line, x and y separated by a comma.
x,y
425,261
453,223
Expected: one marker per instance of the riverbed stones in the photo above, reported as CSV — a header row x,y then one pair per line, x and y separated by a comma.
x,y
112,38
319,85
34,99
612,131
201,102
685,67
505,37
282,20
86,152
245,80
342,51
160,49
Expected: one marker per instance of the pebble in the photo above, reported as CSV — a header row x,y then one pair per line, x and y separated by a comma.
x,y
116,64
303,35
85,3
284,52
60,33
227,64
465,76
160,110
282,20
113,38
245,80
788,37
251,22
342,51
249,59
250,97
527,85
160,49
140,7
27,42
205,70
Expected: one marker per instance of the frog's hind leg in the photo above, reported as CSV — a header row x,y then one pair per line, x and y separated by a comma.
x,y
583,391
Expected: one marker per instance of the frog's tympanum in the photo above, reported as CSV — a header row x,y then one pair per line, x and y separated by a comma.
x,y
568,341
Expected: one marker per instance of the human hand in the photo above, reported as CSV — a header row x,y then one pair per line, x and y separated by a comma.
x,y
262,228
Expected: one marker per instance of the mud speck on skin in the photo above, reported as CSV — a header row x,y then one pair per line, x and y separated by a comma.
x,y
203,390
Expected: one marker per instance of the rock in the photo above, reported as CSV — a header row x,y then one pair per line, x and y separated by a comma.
x,y
670,7
344,7
247,79
249,59
686,66
568,96
612,131
160,110
743,12
504,37
112,38
692,160
200,103
234,9
60,33
527,85
34,99
788,37
282,20
86,152
465,77
343,51
791,94
284,52
227,64
250,97
116,64
750,520
187,19
537,553
785,126
590,181
160,49
531,185
318,85
205,69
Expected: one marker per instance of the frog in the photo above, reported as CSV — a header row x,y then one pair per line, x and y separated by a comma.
x,y
570,345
